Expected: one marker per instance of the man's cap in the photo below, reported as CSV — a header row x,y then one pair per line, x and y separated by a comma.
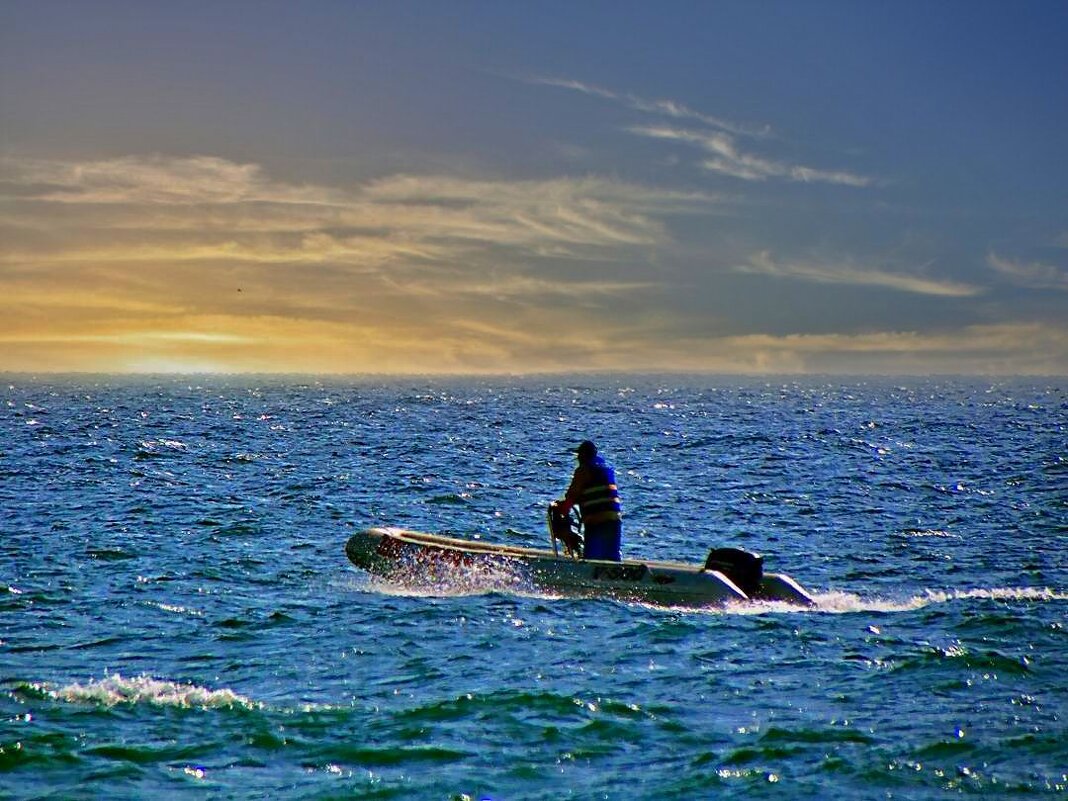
x,y
586,449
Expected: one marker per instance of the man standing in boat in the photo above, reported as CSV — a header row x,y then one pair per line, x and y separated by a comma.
x,y
593,490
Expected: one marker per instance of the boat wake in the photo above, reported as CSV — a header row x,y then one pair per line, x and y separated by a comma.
x,y
844,602
838,602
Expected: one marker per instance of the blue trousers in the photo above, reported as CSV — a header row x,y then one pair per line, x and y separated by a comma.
x,y
603,541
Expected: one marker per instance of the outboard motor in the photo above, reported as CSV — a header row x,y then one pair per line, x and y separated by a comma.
x,y
742,567
564,527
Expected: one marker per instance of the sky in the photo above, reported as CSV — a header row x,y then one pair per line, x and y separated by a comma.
x,y
734,187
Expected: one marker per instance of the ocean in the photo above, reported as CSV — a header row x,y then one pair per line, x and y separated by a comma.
x,y
178,619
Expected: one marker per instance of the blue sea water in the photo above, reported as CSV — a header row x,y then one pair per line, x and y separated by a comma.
x,y
178,619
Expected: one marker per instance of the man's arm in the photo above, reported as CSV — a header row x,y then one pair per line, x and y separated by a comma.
x,y
574,492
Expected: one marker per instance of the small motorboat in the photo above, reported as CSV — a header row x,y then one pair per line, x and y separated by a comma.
x,y
428,560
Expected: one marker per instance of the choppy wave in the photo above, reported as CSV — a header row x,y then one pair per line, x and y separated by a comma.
x,y
117,689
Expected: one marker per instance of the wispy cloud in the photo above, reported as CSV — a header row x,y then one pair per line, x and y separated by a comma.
x,y
156,180
846,273
667,108
212,209
727,159
1032,274
1016,348
528,287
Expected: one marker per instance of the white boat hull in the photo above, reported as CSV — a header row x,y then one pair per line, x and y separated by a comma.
x,y
399,554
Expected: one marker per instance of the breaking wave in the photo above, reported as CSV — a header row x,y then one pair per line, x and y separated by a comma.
x,y
117,689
